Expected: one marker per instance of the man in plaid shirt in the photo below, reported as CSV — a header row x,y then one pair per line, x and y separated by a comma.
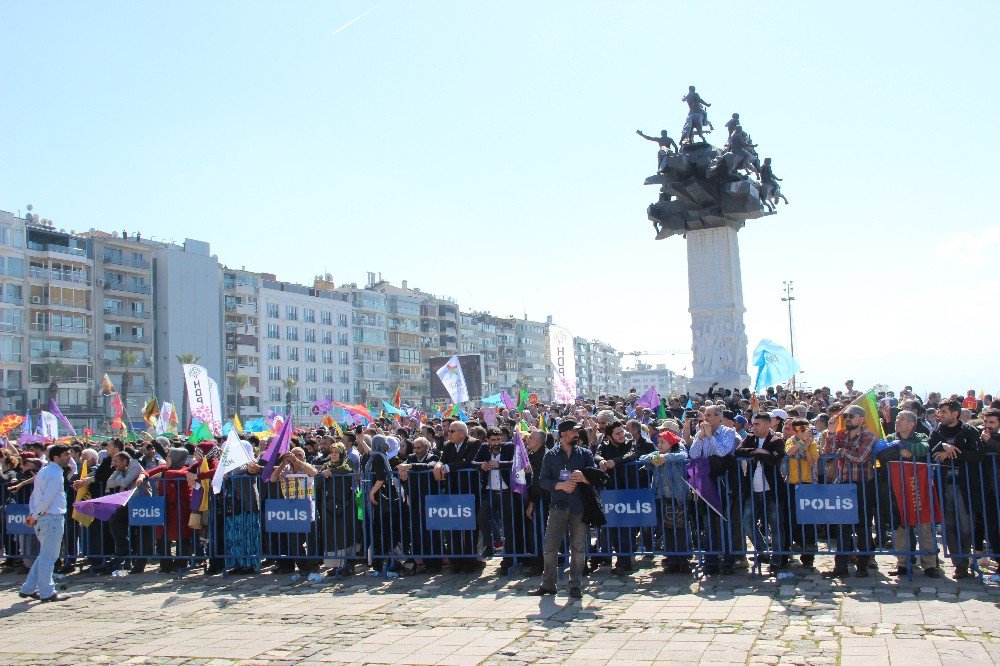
x,y
854,444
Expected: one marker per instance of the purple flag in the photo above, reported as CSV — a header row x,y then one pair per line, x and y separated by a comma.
x,y
54,408
279,445
702,484
102,507
518,474
650,399
508,401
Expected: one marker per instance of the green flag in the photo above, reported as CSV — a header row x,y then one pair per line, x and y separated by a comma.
x,y
522,400
661,413
200,434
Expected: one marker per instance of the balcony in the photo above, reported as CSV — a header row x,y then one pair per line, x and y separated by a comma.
x,y
11,358
61,328
6,327
61,353
109,258
125,313
11,299
49,275
114,285
118,363
57,249
124,337
75,303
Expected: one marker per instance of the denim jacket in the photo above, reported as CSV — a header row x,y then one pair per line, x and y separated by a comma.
x,y
668,478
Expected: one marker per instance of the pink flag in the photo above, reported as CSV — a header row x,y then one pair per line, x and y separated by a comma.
x,y
279,446
508,401
650,399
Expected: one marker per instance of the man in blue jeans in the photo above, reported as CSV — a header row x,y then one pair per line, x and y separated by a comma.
x,y
47,515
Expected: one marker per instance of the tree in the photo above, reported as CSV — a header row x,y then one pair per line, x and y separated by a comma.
x,y
239,383
290,385
57,371
522,383
184,359
129,359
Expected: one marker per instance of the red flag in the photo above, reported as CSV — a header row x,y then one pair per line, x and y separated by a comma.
x,y
916,500
396,399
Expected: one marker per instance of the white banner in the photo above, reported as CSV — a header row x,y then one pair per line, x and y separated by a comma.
x,y
234,455
563,365
453,378
163,420
203,405
49,424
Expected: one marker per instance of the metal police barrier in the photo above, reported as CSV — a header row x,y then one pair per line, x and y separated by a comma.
x,y
967,492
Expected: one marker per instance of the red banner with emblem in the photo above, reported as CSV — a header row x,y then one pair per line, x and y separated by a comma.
x,y
916,501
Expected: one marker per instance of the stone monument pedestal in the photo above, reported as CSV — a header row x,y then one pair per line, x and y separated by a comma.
x,y
715,301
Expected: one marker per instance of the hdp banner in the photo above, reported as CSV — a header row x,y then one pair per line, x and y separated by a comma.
x,y
147,511
629,508
450,512
916,501
453,378
14,519
287,515
203,397
826,503
561,350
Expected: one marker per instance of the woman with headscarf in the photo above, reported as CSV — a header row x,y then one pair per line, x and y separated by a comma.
x,y
177,492
338,510
241,506
385,500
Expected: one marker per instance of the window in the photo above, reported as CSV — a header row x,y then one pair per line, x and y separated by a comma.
x,y
342,320
327,338
409,356
345,395
342,338
345,376
293,353
311,376
137,332
292,312
291,333
10,350
342,358
310,356
274,352
309,315
275,393
328,357
325,318
293,373
309,335
272,310
328,376
272,332
14,267
274,372
311,395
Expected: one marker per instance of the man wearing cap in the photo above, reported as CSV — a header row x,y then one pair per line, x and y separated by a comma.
x,y
561,473
47,508
854,444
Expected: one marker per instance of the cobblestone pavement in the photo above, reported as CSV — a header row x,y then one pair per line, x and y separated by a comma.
x,y
647,618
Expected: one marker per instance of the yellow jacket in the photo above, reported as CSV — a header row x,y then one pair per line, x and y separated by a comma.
x,y
800,466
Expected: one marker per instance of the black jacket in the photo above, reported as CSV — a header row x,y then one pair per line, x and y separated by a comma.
x,y
774,452
593,510
970,452
457,460
506,463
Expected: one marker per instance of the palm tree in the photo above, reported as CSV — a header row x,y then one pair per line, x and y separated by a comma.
x,y
57,371
184,359
239,383
290,384
128,359
522,383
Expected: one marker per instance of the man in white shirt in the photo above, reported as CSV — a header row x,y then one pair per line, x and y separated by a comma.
x,y
47,515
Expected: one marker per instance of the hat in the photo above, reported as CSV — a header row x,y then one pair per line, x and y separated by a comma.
x,y
854,410
742,420
568,424
206,446
779,414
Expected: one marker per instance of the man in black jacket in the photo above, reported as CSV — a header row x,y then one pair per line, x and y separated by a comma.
x,y
958,447
500,505
426,543
452,471
538,501
761,487
613,457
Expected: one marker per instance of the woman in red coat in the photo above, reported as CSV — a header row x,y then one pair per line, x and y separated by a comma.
x,y
177,491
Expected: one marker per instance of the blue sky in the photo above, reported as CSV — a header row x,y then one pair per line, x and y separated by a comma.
x,y
487,151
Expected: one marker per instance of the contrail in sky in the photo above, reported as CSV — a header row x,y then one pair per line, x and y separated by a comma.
x,y
356,19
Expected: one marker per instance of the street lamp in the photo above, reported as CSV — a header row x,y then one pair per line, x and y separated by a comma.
x,y
788,298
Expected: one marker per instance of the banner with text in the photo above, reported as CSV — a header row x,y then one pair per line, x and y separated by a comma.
x,y
563,365
827,504
203,397
147,511
450,512
287,515
629,508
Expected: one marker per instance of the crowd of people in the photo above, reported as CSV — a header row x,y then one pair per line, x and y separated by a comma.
x,y
368,486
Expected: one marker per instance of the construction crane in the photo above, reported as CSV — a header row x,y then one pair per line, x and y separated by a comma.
x,y
667,352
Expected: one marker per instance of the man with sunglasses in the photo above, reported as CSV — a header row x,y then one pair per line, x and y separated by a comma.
x,y
761,486
854,444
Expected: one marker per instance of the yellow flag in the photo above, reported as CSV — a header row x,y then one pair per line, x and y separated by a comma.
x,y
204,485
236,423
83,494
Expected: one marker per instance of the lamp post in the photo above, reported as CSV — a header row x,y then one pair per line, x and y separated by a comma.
x,y
788,298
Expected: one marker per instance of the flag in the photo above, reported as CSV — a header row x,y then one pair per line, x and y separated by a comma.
x,y
523,425
507,400
518,470
916,499
489,415
103,507
204,483
393,410
150,411
453,378
54,408
523,399
200,433
869,402
49,424
106,386
494,400
234,455
358,410
163,420
702,484
10,422
396,399
82,494
174,422
322,406
650,399
661,411
236,423
26,425
775,365
279,446
462,416
541,423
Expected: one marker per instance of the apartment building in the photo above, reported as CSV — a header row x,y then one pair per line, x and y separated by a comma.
x,y
666,381
598,368
241,322
13,336
369,335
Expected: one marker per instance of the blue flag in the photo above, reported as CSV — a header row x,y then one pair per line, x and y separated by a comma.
x,y
774,365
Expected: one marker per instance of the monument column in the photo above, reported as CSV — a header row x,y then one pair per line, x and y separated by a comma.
x,y
715,301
